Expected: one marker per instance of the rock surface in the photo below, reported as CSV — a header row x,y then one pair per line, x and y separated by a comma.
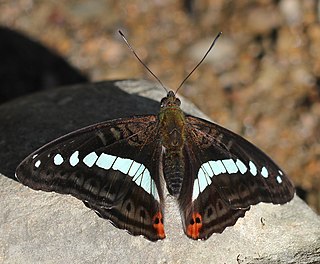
x,y
40,227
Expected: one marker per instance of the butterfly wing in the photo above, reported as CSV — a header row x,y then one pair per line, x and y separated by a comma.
x,y
106,166
227,176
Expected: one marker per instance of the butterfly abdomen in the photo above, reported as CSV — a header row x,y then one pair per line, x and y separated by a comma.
x,y
173,169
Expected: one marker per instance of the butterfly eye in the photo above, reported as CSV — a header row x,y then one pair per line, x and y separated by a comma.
x,y
178,102
162,102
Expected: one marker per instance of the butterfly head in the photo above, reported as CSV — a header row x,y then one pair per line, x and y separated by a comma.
x,y
170,101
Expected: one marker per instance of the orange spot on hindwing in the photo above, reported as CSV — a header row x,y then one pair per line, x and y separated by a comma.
x,y
195,225
158,225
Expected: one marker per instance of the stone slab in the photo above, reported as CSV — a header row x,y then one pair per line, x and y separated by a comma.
x,y
40,227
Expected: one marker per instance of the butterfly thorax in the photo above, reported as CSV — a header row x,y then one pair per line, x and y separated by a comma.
x,y
172,136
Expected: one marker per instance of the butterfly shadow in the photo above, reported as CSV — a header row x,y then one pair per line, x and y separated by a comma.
x,y
31,121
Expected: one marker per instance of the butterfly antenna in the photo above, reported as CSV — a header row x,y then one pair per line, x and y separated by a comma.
x,y
205,55
136,55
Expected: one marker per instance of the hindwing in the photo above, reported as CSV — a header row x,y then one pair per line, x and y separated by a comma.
x,y
228,175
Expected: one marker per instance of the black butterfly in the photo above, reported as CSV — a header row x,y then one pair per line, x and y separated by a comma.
x,y
118,168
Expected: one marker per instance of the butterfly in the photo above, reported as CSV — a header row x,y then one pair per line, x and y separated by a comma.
x,y
119,168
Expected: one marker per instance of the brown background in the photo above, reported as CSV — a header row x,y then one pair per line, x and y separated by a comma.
x,y
262,79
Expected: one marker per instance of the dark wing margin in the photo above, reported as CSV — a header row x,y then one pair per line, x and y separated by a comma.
x,y
109,166
229,174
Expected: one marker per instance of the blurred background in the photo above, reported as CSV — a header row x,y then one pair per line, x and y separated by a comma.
x,y
261,80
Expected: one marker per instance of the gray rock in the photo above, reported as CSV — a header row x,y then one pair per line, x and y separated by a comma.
x,y
40,227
